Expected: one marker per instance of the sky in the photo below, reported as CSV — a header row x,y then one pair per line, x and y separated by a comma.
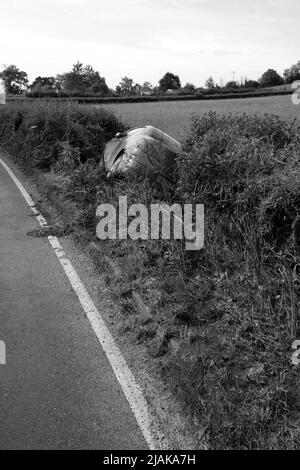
x,y
144,39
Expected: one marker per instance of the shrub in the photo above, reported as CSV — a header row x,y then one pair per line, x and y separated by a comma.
x,y
35,131
237,377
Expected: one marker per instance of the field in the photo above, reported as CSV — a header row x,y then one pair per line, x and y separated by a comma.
x,y
173,117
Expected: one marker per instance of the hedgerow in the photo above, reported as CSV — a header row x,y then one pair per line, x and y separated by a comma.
x,y
90,98
222,319
35,132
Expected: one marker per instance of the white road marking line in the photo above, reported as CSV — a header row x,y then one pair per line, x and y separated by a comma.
x,y
153,436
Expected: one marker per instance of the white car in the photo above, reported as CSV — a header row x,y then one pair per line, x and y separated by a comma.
x,y
144,150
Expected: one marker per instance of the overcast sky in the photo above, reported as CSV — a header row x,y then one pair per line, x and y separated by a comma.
x,y
143,39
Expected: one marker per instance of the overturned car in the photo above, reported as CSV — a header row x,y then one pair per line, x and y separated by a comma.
x,y
146,151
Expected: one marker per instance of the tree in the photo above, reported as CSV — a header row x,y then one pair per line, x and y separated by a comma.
x,y
126,85
292,74
169,82
251,84
136,89
271,78
59,81
147,87
15,79
82,79
189,89
73,81
43,83
93,81
78,68
232,84
210,84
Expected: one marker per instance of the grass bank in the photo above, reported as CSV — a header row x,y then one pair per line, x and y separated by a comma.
x,y
219,322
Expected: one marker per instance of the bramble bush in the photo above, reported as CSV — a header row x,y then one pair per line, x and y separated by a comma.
x,y
237,376
246,169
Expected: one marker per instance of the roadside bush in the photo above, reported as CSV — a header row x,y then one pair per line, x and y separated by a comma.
x,y
34,132
238,376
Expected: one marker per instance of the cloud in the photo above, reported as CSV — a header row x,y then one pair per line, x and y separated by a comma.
x,y
145,38
219,52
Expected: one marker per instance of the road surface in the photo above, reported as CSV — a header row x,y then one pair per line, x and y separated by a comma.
x,y
57,388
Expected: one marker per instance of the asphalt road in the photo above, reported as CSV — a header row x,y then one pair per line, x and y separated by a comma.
x,y
57,388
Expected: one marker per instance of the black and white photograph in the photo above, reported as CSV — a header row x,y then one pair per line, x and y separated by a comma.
x,y
149,229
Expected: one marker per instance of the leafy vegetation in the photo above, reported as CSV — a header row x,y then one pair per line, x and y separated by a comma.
x,y
222,320
15,79
271,78
38,134
293,73
169,82
84,81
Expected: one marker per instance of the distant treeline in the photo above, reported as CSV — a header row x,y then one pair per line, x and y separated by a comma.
x,y
85,82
